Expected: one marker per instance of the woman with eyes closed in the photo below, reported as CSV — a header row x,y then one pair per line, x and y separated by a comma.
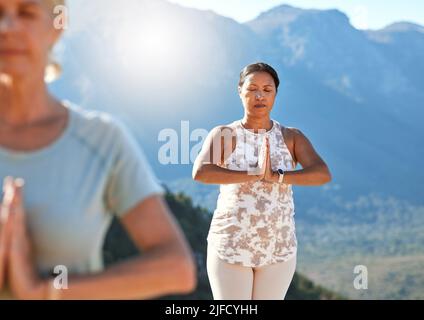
x,y
67,172
252,242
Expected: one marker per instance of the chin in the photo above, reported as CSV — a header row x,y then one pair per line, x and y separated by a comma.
x,y
13,71
261,111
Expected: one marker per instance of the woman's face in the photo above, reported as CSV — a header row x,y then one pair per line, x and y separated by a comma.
x,y
258,94
27,35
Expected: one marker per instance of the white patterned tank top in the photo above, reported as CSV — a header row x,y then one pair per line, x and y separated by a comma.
x,y
253,224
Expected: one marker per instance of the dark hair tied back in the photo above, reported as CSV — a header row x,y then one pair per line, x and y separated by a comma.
x,y
259,67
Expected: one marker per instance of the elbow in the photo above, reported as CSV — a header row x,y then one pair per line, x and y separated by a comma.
x,y
327,177
199,174
196,175
322,175
186,273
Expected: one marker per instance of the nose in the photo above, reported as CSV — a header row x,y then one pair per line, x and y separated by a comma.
x,y
259,95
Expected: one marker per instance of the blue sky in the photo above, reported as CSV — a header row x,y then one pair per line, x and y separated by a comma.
x,y
364,14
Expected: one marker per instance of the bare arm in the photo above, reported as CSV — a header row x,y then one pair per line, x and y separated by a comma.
x,y
166,266
217,148
314,170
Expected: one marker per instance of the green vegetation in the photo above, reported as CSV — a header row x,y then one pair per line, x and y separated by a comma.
x,y
383,233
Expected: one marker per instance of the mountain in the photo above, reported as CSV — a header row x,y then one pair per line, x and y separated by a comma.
x,y
370,106
326,45
400,42
364,91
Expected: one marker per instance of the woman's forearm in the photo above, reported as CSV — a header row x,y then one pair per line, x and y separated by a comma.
x,y
154,274
311,176
213,174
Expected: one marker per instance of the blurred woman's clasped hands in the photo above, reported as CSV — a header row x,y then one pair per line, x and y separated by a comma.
x,y
16,260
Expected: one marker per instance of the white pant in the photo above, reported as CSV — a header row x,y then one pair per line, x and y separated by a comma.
x,y
235,282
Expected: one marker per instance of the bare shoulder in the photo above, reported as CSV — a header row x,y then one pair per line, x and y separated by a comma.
x,y
295,135
225,136
224,132
223,129
291,131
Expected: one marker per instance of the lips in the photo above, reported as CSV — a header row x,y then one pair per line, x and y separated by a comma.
x,y
11,52
260,106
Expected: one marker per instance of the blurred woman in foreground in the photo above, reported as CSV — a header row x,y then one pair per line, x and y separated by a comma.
x,y
66,173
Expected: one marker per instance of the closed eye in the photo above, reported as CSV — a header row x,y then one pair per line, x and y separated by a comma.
x,y
28,13
29,10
